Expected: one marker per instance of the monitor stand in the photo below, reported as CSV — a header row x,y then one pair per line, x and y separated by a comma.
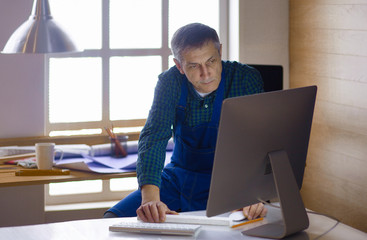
x,y
295,218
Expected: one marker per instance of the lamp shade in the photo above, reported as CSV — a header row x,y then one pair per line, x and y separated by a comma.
x,y
40,34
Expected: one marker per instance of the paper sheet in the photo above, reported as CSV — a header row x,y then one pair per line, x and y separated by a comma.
x,y
87,165
105,164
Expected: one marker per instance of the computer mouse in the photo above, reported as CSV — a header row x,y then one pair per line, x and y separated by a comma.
x,y
237,216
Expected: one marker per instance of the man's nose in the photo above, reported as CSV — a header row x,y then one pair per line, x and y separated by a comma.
x,y
204,71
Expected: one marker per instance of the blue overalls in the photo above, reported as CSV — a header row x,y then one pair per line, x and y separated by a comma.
x,y
186,179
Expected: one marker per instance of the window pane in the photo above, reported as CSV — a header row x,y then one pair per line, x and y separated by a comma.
x,y
123,184
189,11
171,63
132,82
82,19
135,24
89,131
75,90
77,187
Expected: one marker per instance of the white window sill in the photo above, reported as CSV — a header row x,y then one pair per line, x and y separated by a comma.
x,y
79,206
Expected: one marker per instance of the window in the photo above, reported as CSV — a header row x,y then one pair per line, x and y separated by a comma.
x,y
126,46
89,90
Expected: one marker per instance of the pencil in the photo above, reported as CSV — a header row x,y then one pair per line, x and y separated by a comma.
x,y
247,222
118,147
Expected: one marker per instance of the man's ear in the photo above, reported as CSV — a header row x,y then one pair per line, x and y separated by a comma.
x,y
178,65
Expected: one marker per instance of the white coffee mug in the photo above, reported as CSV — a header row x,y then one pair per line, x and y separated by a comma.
x,y
45,155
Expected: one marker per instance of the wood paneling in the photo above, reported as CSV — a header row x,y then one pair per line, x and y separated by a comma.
x,y
328,48
331,65
334,41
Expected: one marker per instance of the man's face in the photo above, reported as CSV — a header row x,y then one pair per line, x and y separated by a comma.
x,y
202,67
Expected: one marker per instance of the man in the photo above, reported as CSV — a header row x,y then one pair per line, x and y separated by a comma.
x,y
187,104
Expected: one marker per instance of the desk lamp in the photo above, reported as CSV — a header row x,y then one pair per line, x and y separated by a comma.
x,y
40,34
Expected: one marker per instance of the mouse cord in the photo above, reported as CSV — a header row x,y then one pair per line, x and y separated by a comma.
x,y
311,212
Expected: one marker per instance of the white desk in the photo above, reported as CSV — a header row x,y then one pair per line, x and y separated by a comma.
x,y
98,229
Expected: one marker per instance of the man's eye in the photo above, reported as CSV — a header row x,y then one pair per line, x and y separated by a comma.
x,y
212,61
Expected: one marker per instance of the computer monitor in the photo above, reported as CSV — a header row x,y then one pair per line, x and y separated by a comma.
x,y
261,155
272,76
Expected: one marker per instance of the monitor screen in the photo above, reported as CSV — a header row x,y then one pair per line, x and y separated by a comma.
x,y
272,76
257,132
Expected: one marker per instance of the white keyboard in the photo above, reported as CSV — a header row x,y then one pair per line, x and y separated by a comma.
x,y
156,228
200,220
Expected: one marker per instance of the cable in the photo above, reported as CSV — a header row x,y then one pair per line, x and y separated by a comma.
x,y
311,212
325,215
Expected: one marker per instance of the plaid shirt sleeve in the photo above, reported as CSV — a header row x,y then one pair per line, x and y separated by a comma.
x,y
240,80
158,128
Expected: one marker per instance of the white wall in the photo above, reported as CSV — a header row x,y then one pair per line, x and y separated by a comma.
x,y
262,33
21,79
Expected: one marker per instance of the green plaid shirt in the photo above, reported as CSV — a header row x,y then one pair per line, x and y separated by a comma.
x,y
240,80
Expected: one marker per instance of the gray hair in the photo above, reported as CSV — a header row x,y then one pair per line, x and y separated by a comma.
x,y
193,35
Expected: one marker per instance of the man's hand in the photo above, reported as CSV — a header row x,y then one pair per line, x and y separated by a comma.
x,y
152,209
254,211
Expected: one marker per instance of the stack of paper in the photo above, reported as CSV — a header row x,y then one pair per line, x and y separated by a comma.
x,y
96,158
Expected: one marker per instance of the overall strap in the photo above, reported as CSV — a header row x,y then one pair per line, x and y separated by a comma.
x,y
218,100
184,92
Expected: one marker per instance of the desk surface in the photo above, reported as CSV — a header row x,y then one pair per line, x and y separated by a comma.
x,y
8,178
98,229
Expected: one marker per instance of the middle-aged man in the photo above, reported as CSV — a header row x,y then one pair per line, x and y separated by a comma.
x,y
187,104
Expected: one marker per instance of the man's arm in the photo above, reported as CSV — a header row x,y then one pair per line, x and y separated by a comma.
x,y
152,146
157,130
152,209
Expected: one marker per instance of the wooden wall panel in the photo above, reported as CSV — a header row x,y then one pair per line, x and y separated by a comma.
x,y
331,65
328,48
334,41
337,141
